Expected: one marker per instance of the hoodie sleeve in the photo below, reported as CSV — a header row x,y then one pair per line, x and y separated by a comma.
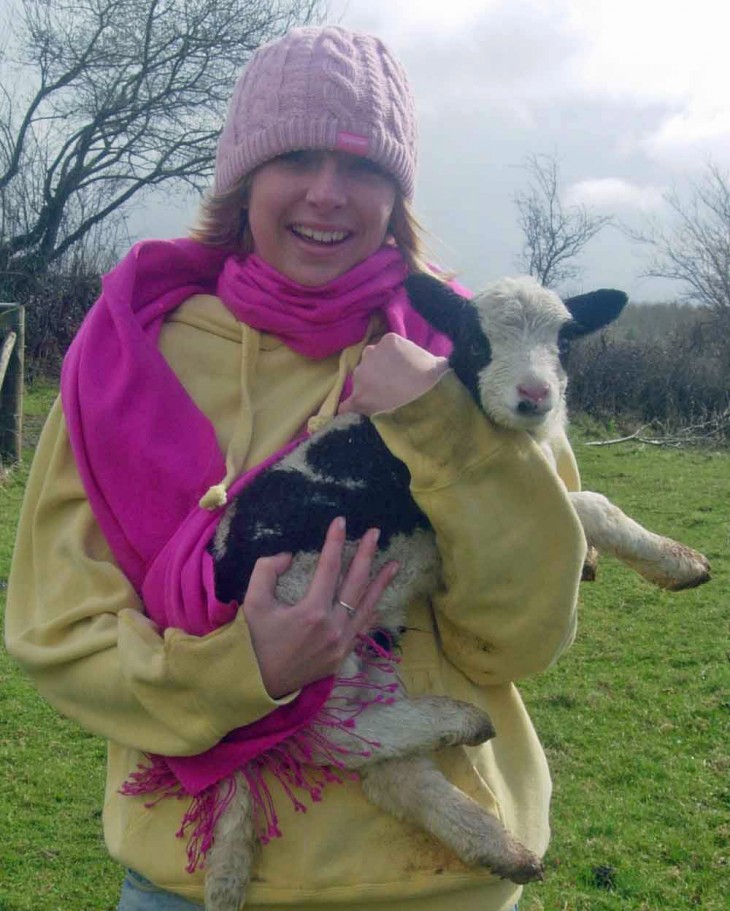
x,y
76,626
510,542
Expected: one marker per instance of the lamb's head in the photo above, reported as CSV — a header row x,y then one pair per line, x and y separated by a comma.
x,y
511,341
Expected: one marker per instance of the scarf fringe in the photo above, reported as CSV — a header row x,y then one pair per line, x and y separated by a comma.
x,y
290,763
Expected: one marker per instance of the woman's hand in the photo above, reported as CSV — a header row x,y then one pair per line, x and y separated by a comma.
x,y
300,643
392,372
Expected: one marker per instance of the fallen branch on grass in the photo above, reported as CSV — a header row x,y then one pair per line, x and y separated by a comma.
x,y
695,433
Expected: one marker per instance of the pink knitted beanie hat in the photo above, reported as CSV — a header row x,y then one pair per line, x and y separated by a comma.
x,y
320,88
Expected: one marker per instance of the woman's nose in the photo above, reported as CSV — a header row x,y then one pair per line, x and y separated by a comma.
x,y
328,186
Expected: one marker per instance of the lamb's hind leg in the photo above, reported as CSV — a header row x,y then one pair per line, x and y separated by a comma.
x,y
228,862
660,560
415,791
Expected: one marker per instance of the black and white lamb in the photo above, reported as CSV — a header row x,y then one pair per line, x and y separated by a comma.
x,y
508,345
522,333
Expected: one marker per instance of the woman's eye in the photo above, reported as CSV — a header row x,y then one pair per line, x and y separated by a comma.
x,y
301,158
365,166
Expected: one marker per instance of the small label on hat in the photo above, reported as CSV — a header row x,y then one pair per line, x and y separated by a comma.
x,y
352,143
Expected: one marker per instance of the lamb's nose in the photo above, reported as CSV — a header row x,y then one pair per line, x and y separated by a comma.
x,y
533,393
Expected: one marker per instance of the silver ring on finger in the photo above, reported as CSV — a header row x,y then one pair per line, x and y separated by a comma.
x,y
348,607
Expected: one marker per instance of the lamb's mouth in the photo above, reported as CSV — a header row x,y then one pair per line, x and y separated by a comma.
x,y
532,410
526,419
329,238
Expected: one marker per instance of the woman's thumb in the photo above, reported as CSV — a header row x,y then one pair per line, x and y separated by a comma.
x,y
266,571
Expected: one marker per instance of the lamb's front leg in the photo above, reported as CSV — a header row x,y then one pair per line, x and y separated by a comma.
x,y
228,862
415,791
409,725
661,560
420,724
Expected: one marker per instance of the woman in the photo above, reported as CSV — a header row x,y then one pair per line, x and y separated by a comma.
x,y
292,273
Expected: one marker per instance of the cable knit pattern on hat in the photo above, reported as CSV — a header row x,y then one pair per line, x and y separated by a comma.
x,y
320,88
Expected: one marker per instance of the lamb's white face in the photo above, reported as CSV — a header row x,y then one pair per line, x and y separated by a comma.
x,y
523,387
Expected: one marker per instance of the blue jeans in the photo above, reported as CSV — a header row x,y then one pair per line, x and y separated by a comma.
x,y
139,894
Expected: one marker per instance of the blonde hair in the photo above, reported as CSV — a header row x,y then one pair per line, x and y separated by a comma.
x,y
222,222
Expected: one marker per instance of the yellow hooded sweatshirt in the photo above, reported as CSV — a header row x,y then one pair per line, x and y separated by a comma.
x,y
512,551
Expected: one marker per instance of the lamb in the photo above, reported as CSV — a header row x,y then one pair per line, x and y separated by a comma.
x,y
525,332
507,343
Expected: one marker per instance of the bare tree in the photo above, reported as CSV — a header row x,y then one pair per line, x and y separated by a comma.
x,y
101,100
554,234
695,247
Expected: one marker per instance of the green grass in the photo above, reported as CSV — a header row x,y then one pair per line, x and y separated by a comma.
x,y
634,718
52,855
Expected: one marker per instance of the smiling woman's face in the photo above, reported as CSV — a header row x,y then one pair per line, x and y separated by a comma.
x,y
313,215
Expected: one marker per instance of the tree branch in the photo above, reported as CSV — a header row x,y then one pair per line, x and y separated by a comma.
x,y
553,234
124,95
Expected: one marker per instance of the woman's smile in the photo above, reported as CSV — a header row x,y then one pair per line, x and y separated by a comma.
x,y
320,236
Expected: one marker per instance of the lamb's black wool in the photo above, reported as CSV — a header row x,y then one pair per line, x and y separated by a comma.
x,y
348,472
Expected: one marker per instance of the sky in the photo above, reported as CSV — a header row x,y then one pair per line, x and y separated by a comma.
x,y
629,96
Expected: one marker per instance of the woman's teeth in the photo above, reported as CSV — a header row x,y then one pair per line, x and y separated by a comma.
x,y
322,237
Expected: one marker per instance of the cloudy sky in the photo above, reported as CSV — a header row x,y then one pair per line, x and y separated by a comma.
x,y
630,96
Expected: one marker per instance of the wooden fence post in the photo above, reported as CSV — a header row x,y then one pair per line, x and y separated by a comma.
x,y
12,363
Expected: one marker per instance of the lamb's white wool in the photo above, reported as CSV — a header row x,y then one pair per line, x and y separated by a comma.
x,y
524,385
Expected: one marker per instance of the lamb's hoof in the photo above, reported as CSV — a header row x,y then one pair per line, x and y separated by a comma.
x,y
456,722
476,727
523,867
481,840
590,565
532,871
696,571
680,568
680,585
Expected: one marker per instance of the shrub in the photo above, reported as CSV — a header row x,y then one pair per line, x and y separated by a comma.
x,y
674,377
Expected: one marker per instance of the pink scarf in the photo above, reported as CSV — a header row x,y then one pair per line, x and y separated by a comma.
x,y
146,454
315,322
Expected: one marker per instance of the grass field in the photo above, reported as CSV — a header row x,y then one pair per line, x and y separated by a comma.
x,y
634,718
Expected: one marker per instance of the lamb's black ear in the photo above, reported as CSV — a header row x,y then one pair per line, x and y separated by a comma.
x,y
594,310
438,304
458,318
